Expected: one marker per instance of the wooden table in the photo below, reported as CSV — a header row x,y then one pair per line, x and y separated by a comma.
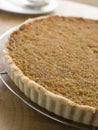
x,y
14,114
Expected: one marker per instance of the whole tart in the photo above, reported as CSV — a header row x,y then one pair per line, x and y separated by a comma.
x,y
54,62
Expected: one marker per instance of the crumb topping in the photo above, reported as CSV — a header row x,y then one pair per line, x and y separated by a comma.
x,y
61,54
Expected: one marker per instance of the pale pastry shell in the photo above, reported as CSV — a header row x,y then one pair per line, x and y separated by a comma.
x,y
52,102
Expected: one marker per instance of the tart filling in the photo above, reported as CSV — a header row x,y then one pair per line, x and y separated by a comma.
x,y
59,56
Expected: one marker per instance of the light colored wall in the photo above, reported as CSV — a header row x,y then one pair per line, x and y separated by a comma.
x,y
91,2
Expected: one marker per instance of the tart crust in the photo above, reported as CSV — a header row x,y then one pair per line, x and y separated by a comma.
x,y
52,102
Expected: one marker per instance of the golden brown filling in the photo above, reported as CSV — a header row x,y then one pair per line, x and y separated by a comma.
x,y
61,54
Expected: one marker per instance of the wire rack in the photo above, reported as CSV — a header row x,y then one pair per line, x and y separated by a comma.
x,y
14,89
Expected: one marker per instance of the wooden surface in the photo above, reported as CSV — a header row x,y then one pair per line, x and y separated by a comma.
x,y
14,114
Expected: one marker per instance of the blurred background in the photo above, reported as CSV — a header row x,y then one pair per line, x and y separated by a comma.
x,y
14,114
